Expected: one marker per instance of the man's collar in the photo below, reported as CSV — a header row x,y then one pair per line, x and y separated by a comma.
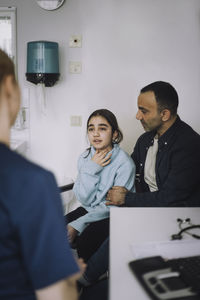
x,y
163,140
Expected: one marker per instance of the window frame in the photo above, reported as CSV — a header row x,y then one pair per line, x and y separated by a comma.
x,y
11,13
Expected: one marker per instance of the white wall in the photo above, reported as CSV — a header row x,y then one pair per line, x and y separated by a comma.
x,y
126,45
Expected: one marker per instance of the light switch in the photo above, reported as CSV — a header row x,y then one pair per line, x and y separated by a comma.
x,y
75,120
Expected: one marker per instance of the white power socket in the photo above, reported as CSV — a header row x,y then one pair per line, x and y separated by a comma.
x,y
75,67
75,41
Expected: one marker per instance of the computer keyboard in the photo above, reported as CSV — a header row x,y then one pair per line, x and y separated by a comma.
x,y
189,268
174,279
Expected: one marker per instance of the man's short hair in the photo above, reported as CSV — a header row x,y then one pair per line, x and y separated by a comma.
x,y
6,66
165,94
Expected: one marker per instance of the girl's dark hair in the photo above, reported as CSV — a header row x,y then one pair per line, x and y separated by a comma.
x,y
111,119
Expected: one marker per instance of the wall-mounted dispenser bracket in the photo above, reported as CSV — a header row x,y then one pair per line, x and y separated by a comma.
x,y
48,79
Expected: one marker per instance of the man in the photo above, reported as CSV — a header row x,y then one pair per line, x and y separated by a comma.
x,y
167,156
35,258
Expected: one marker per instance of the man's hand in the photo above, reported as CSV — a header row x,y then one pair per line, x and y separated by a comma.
x,y
82,265
100,157
72,233
116,195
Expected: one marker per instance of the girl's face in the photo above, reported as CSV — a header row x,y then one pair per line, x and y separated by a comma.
x,y
100,133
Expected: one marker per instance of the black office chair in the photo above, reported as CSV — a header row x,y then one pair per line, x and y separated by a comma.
x,y
67,187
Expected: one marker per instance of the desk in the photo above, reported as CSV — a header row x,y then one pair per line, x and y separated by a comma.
x,y
137,225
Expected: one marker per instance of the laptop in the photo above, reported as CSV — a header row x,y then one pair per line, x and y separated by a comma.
x,y
172,279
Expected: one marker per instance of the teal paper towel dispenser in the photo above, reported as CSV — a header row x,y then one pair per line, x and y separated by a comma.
x,y
42,62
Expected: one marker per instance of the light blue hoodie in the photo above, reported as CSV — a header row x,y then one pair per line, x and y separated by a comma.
x,y
94,181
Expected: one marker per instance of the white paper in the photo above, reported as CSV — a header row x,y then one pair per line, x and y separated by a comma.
x,y
166,249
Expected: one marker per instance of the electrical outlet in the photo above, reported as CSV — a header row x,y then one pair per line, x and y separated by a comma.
x,y
75,67
75,120
75,41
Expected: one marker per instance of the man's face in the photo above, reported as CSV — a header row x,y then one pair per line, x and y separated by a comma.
x,y
148,113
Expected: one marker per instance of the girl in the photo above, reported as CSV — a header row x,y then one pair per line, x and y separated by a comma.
x,y
100,167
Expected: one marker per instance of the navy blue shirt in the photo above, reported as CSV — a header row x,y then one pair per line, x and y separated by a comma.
x,y
34,250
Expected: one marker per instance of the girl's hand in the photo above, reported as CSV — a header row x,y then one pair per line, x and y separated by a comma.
x,y
101,159
72,233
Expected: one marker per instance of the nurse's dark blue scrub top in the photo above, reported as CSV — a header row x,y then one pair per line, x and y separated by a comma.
x,y
34,251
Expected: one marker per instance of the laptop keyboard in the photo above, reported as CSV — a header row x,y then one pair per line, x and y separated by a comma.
x,y
189,268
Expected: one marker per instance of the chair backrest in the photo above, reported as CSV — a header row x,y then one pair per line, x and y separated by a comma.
x,y
67,187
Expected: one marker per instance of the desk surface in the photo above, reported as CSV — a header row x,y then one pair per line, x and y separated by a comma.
x,y
138,225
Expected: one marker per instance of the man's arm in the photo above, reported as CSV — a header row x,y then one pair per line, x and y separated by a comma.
x,y
178,189
116,195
